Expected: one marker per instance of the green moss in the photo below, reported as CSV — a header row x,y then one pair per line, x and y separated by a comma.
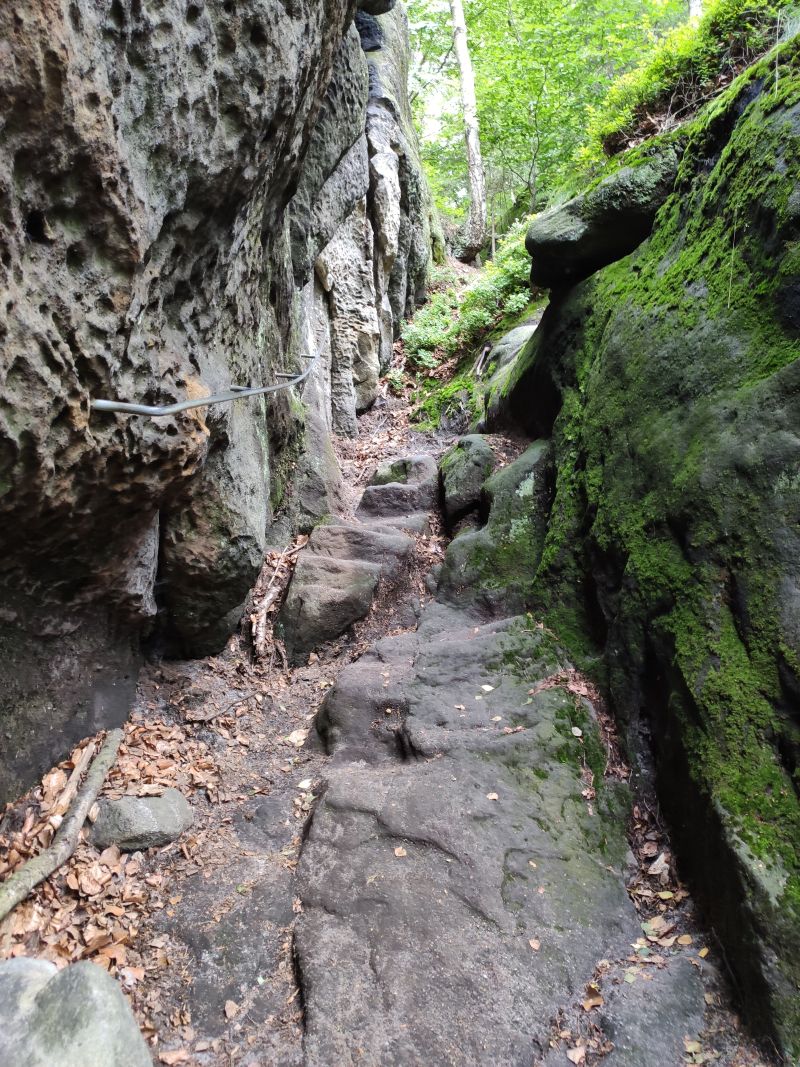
x,y
435,398
687,66
676,495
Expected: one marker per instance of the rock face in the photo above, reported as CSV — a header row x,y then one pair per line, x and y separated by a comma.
x,y
142,822
572,241
463,469
669,381
195,205
457,890
76,1017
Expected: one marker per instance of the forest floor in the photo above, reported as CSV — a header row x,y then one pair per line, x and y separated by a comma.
x,y
200,932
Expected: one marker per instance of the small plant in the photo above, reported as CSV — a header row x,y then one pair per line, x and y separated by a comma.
x,y
454,324
689,66
395,380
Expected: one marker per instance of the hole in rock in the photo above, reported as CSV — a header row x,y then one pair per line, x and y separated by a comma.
x,y
36,227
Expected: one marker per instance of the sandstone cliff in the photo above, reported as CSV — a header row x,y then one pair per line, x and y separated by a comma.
x,y
668,381
192,195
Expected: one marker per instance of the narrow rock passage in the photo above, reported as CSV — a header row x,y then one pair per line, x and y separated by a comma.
x,y
410,846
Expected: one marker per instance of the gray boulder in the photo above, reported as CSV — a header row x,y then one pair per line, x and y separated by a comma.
x,y
326,597
75,1017
607,222
142,822
494,567
464,468
335,581
510,344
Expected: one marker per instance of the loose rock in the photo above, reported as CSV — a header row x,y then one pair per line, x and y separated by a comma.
x,y
135,823
75,1017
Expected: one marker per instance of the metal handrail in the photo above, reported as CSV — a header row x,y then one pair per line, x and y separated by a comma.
x,y
234,393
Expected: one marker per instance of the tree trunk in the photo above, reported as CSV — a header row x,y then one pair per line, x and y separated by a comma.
x,y
475,228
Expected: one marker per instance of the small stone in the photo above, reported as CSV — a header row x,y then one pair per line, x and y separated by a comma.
x,y
142,822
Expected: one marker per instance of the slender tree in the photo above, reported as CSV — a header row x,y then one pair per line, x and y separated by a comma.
x,y
474,233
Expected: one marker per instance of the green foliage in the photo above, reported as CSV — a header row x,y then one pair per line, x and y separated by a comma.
x,y
540,65
688,66
453,323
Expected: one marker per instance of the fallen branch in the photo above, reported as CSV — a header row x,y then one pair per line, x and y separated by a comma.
x,y
281,573
20,884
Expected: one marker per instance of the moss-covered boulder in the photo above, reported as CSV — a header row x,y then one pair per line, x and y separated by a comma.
x,y
493,567
671,381
608,221
463,470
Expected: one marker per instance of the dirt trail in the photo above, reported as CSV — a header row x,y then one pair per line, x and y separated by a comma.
x,y
202,932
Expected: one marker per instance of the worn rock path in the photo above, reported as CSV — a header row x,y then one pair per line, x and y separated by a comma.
x,y
416,843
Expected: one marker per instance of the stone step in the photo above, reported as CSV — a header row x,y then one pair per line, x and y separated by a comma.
x,y
351,541
458,886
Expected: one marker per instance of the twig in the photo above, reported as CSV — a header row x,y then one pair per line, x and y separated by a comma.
x,y
270,596
16,888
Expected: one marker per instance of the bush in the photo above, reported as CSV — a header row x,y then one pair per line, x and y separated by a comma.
x,y
689,65
454,324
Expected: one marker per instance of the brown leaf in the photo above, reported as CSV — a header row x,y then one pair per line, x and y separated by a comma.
x,y
178,1055
231,1008
576,1055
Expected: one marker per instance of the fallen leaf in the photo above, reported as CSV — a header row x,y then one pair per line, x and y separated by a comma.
x,y
703,953
594,1001
492,796
577,732
535,944
487,688
231,1007
685,939
659,866
497,718
400,852
179,1055
297,738
690,1046
576,1055
460,707
305,784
